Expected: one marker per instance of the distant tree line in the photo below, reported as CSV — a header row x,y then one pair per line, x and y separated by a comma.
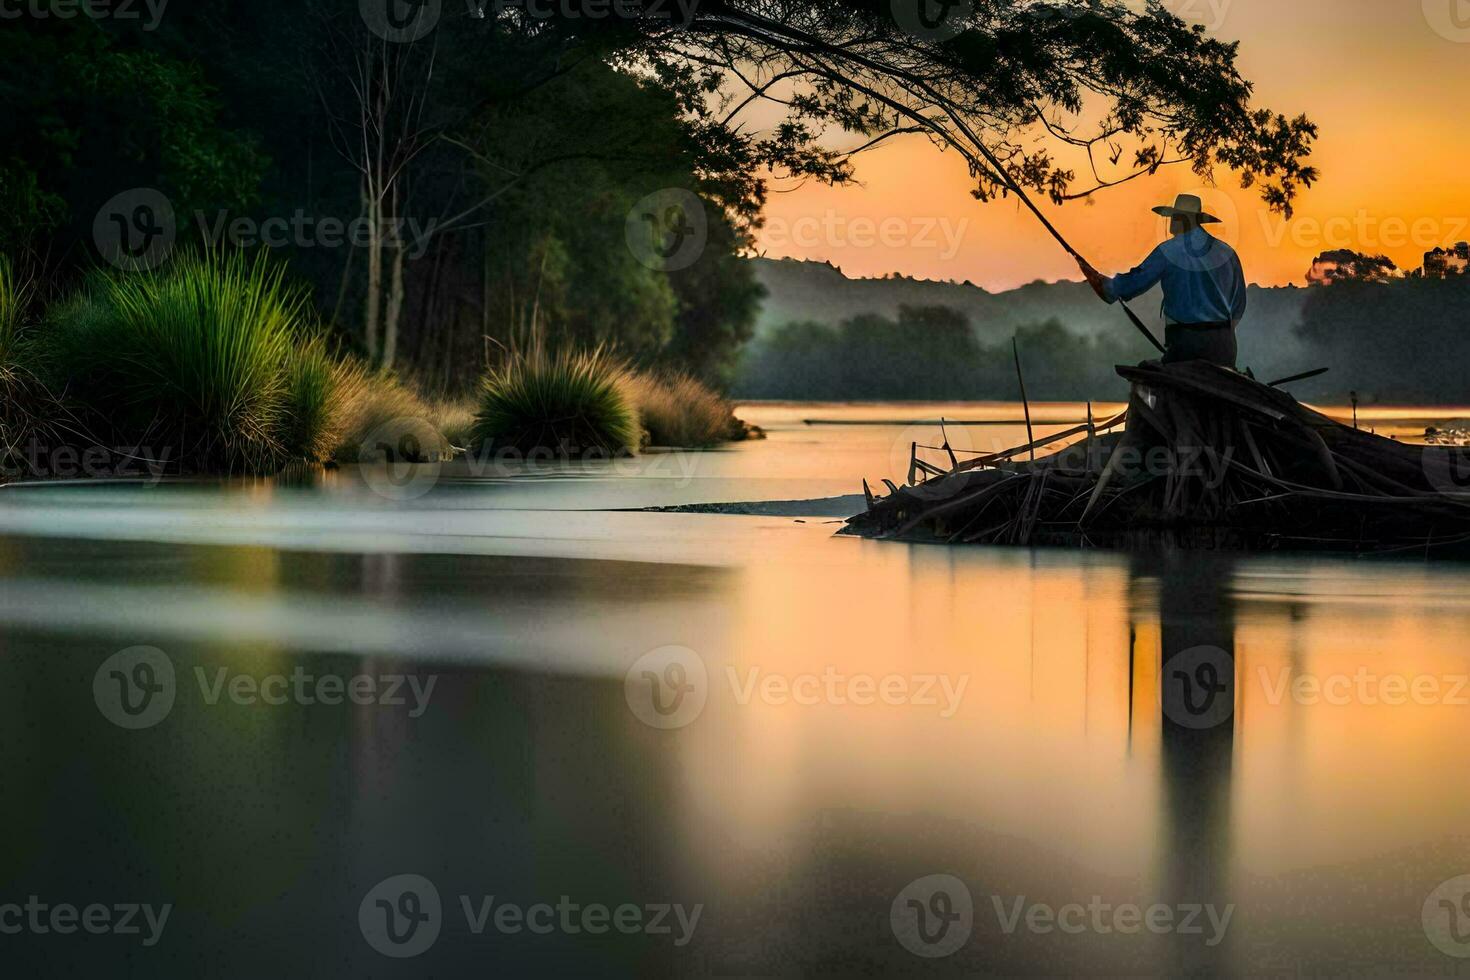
x,y
1406,340
931,353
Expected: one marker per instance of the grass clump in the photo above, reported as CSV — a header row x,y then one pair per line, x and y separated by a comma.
x,y
680,410
379,416
569,402
30,416
313,417
198,355
213,358
14,298
455,419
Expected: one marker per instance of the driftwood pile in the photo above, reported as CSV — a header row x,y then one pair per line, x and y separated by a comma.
x,y
1204,457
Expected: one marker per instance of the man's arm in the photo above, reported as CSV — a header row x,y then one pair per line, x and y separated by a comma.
x,y
1129,285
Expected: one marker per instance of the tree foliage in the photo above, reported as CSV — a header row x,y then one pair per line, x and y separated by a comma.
x,y
1127,90
88,114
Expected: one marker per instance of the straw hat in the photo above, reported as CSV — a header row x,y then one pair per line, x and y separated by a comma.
x,y
1188,206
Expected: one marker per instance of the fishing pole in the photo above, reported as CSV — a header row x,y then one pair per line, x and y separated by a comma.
x,y
1298,377
1014,186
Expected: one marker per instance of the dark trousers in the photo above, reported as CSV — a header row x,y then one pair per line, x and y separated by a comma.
x,y
1213,342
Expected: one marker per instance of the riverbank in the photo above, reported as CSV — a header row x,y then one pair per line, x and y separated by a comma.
x,y
215,364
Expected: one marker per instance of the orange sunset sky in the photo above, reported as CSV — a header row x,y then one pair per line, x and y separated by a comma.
x,y
1387,82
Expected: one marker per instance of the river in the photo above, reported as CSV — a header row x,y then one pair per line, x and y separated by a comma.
x,y
500,717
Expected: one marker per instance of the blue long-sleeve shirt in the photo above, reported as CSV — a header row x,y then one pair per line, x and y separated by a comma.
x,y
1202,277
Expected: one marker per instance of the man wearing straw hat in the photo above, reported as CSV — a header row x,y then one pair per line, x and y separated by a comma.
x,y
1204,286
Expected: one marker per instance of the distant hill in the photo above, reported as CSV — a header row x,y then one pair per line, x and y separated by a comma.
x,y
820,293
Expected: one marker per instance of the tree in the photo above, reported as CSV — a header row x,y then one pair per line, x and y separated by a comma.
x,y
88,116
1345,265
1130,90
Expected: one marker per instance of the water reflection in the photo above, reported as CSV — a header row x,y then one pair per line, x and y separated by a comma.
x,y
1057,729
1196,717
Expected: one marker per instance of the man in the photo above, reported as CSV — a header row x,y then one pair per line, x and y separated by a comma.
x,y
1204,286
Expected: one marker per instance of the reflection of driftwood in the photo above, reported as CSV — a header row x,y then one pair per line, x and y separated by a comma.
x,y
1208,458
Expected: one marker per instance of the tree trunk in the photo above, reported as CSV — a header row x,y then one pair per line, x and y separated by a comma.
x,y
395,297
373,305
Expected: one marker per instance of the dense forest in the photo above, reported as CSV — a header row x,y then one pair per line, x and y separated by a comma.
x,y
433,194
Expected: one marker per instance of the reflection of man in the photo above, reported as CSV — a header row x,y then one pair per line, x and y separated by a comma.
x,y
1204,286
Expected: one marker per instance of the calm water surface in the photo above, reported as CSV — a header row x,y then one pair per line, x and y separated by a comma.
x,y
756,743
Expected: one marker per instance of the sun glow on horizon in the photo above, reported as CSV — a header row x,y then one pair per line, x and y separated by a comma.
x,y
1379,79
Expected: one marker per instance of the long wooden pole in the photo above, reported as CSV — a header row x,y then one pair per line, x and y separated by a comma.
x,y
1025,402
1133,317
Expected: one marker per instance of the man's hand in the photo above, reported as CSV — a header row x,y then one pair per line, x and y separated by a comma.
x,y
1094,278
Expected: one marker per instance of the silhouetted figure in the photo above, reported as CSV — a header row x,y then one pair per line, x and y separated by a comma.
x,y
1204,286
